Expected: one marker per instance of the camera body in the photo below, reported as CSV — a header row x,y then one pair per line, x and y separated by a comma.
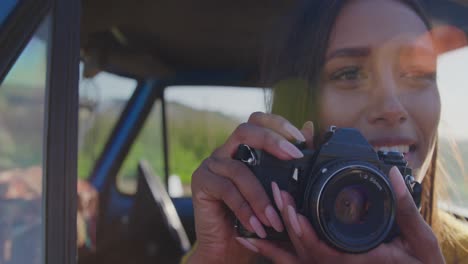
x,y
342,188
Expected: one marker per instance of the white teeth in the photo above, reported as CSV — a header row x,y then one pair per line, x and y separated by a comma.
x,y
398,148
394,149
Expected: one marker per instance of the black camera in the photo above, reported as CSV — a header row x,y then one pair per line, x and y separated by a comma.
x,y
342,188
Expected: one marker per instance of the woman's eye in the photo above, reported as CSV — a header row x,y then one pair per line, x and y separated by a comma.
x,y
420,77
348,74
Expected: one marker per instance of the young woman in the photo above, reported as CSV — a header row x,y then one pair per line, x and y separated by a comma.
x,y
365,64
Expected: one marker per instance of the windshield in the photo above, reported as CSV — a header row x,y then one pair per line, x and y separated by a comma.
x,y
102,100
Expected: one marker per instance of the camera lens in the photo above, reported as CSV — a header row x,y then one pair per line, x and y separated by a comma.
x,y
351,205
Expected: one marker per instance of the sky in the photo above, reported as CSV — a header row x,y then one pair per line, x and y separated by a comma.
x,y
30,66
236,102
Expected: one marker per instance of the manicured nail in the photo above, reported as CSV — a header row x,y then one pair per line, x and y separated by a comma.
x,y
247,244
287,198
294,221
277,196
399,184
308,125
274,219
290,149
257,227
294,132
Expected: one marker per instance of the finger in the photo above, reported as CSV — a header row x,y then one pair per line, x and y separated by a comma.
x,y
259,138
413,227
291,222
273,252
397,242
288,199
308,132
301,232
207,186
384,253
278,124
312,243
250,188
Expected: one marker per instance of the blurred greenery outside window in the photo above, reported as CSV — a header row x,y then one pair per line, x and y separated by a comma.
x,y
147,146
22,130
200,119
102,100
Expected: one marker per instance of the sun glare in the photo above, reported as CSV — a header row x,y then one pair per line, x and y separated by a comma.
x,y
452,79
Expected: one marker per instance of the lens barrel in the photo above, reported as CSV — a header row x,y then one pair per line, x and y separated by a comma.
x,y
351,205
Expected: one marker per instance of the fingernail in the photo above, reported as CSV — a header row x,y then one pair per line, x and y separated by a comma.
x,y
247,244
308,125
294,132
287,198
257,227
399,184
277,196
290,149
274,219
294,221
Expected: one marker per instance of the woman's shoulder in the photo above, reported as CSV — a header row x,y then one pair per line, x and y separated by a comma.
x,y
454,239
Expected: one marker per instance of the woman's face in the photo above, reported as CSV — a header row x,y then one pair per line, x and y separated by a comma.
x,y
379,77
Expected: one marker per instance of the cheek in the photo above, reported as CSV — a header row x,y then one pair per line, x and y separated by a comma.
x,y
340,108
424,108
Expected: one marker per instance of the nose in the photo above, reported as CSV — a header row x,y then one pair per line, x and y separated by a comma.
x,y
387,109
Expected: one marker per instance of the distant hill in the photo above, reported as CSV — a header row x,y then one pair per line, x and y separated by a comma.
x,y
21,126
193,134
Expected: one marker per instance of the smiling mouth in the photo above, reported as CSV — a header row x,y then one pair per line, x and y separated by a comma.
x,y
404,149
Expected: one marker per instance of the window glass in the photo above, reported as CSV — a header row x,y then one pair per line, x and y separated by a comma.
x,y
453,130
102,99
201,119
147,146
6,7
22,133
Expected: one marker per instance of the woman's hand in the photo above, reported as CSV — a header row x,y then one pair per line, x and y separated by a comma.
x,y
223,188
416,244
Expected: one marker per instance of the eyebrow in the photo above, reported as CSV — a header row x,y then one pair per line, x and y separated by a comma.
x,y
349,52
414,49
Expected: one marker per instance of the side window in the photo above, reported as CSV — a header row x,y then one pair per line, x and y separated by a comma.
x,y
200,119
22,133
148,146
102,99
453,131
